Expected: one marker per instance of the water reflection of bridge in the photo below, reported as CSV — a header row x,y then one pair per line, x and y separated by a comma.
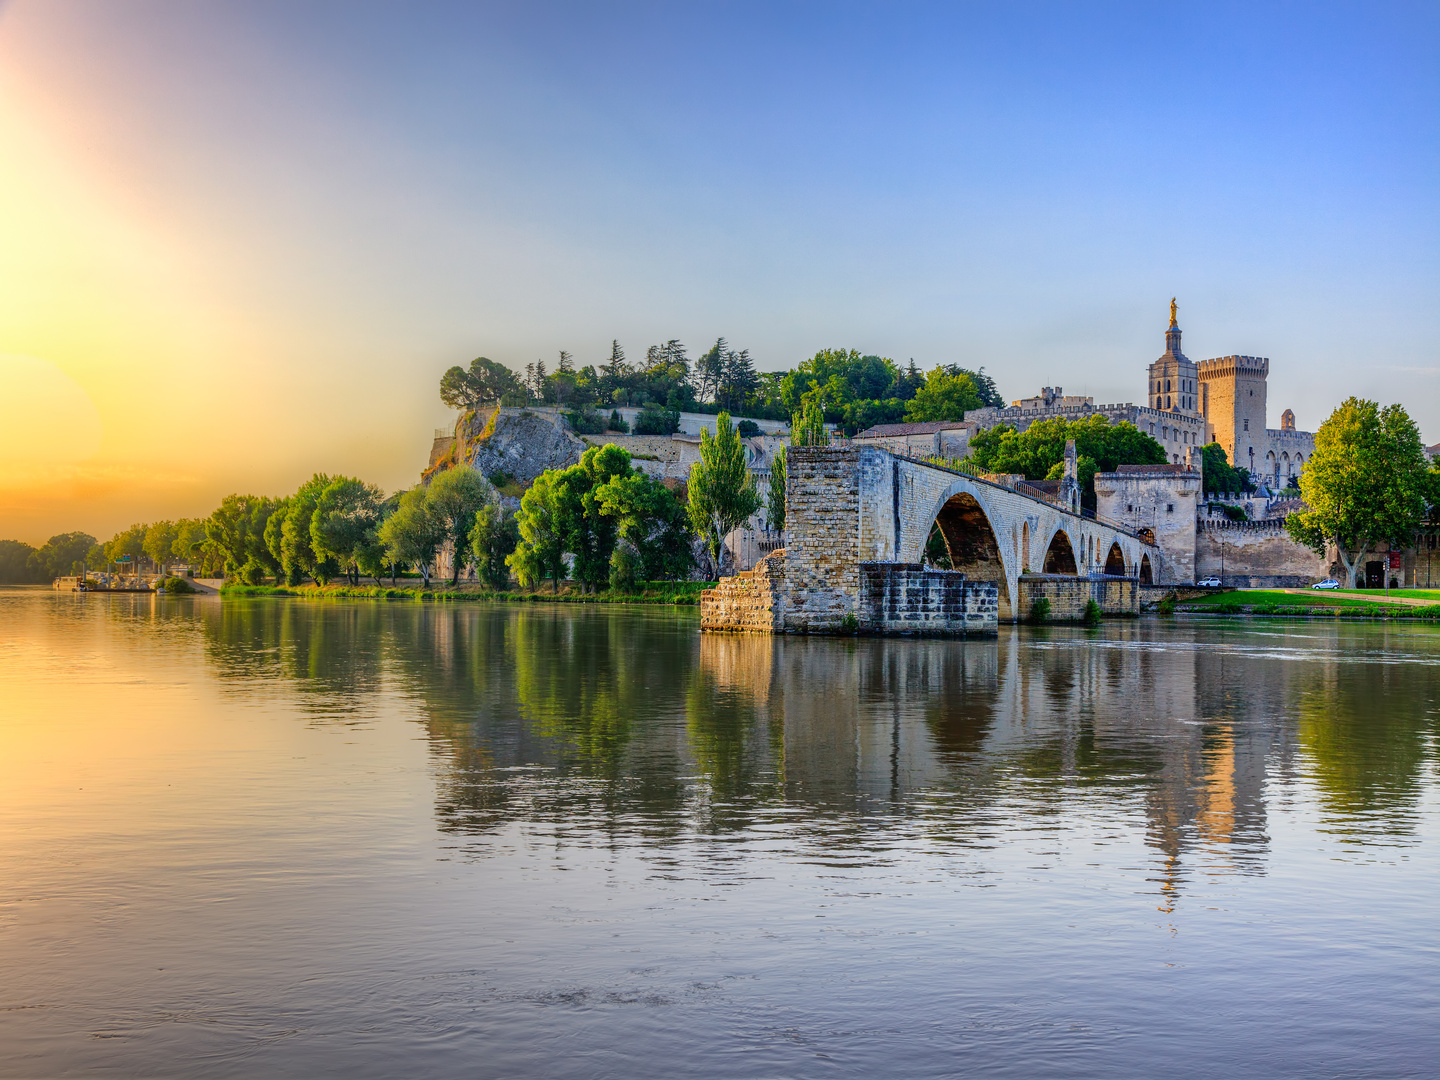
x,y
626,722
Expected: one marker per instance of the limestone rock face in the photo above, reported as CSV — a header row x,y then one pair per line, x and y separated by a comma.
x,y
518,442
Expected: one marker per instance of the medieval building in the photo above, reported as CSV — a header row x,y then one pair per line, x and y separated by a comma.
x,y
1188,404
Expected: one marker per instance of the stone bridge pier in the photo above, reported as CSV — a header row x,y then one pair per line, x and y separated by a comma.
x,y
851,511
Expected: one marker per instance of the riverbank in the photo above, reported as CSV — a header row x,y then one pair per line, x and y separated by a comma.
x,y
1296,603
675,593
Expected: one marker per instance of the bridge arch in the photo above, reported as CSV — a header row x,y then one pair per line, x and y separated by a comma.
x,y
1115,561
1147,576
1060,555
972,543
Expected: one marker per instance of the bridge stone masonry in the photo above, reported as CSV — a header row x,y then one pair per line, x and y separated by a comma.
x,y
857,522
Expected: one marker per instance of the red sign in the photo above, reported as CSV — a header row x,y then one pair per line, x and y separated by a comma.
x,y
1394,560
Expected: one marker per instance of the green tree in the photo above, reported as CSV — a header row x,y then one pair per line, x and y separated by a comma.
x,y
486,381
411,535
159,542
372,556
722,488
808,427
59,555
297,550
189,539
1366,483
128,545
14,563
1039,451
587,532
654,541
945,396
655,419
492,539
260,561
453,498
540,554
345,523
227,531
1219,477
778,478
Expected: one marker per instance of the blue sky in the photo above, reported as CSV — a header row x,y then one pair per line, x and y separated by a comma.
x,y
377,191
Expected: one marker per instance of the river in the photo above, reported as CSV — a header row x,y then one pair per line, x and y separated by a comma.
x,y
280,838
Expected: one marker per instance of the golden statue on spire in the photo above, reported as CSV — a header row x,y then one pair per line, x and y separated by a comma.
x,y
1173,326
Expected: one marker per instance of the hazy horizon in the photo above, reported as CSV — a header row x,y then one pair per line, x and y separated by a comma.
x,y
239,243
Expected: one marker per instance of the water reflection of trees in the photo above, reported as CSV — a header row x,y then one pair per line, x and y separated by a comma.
x,y
1366,731
627,721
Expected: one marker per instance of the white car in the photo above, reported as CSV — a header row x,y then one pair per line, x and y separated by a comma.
x,y
1208,582
1328,583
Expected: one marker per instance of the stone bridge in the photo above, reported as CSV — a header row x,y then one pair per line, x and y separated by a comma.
x,y
857,521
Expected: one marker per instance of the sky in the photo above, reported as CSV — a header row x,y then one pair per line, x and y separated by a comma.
x,y
240,242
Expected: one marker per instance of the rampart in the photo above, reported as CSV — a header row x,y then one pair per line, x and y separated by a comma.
x,y
1255,554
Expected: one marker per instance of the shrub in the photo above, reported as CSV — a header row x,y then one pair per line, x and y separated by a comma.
x,y
1092,614
850,624
499,478
178,585
617,423
748,429
586,422
1167,604
253,572
1040,609
655,419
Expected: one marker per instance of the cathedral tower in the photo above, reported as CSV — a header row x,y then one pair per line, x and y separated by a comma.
x,y
1174,380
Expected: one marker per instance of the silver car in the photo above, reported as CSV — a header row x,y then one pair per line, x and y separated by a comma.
x,y
1328,583
1208,582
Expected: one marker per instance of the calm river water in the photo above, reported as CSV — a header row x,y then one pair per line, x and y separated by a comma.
x,y
276,838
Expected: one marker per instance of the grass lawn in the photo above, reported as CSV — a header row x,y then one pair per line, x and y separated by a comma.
x,y
1432,595
1266,597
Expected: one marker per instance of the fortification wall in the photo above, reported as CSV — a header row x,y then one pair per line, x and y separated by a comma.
x,y
1255,554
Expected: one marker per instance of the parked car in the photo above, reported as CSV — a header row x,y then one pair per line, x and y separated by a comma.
x,y
1208,582
1328,583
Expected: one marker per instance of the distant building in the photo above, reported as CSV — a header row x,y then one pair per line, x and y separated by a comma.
x,y
936,438
1188,404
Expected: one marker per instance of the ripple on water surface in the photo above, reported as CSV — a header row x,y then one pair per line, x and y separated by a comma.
x,y
280,838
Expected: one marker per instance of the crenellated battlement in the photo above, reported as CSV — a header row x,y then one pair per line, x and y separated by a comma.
x,y
1235,365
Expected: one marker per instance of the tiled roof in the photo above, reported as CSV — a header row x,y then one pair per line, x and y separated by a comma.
x,y
930,427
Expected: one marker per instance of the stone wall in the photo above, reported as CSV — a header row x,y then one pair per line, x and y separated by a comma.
x,y
822,508
1069,595
1161,500
907,598
753,601
1255,554
895,598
